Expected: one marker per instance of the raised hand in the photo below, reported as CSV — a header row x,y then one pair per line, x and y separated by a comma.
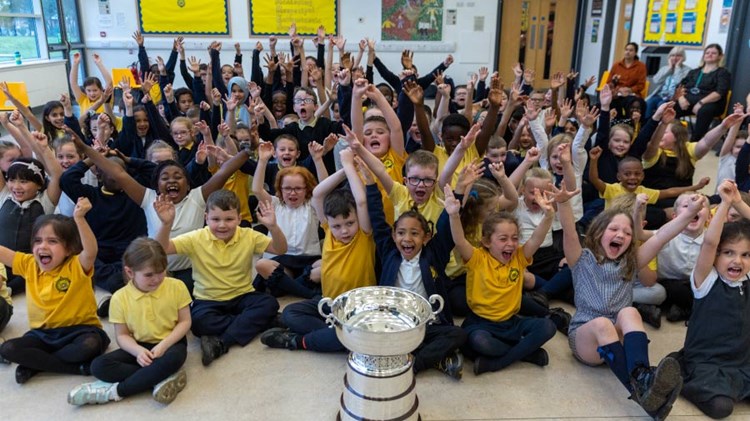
x,y
566,109
728,192
498,170
533,155
605,96
590,117
557,80
83,206
265,151
149,80
138,38
471,136
266,214
316,150
532,112
483,73
518,70
562,194
528,76
452,205
164,209
407,59
595,153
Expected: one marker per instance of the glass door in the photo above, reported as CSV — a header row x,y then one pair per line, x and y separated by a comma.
x,y
61,21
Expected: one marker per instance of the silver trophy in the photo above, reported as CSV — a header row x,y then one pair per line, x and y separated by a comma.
x,y
381,326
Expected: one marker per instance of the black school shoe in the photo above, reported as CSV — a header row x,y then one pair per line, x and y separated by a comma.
x,y
23,374
279,337
650,314
102,310
561,319
653,387
212,348
452,365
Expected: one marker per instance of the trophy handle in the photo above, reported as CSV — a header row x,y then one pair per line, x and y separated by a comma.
x,y
433,298
329,317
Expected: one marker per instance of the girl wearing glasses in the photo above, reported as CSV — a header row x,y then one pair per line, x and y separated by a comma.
x,y
291,273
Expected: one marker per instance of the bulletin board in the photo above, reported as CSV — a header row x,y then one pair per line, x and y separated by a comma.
x,y
184,17
676,22
274,17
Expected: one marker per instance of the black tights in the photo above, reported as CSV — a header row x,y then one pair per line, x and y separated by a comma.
x,y
32,352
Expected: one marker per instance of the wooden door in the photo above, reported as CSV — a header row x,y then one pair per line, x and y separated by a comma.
x,y
539,34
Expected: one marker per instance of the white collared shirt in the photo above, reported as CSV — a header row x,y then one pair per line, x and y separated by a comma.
x,y
678,257
300,227
410,276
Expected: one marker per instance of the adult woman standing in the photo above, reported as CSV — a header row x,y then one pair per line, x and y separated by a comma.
x,y
665,81
705,91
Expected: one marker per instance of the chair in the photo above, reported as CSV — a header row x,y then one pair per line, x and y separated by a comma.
x,y
644,92
19,92
117,75
726,106
603,80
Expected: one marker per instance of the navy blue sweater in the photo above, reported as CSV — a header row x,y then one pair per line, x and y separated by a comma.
x,y
435,254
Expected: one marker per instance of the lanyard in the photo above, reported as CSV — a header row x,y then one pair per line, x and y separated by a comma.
x,y
700,77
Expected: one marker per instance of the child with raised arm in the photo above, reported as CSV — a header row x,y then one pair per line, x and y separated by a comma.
x,y
605,327
497,336
413,256
716,353
290,272
227,310
151,316
65,333
630,175
92,87
348,260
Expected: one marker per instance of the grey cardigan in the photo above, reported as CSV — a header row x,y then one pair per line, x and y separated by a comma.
x,y
658,80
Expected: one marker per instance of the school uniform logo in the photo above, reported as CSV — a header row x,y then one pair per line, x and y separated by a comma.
x,y
62,284
514,274
388,163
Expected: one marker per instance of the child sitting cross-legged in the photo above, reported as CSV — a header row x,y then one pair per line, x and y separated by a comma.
x,y
151,315
497,336
413,257
348,260
227,310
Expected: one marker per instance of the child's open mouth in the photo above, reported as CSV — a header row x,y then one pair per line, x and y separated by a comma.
x,y
172,191
408,249
507,255
614,248
374,144
734,272
45,259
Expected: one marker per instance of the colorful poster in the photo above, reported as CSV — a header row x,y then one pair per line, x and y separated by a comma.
x,y
676,22
184,17
726,16
274,17
412,20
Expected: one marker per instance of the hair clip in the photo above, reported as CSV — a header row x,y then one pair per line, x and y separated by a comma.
x,y
32,167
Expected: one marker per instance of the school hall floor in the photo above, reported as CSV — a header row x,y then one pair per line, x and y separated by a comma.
x,y
259,383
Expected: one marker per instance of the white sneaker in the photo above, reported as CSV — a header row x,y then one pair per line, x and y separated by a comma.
x,y
166,391
90,393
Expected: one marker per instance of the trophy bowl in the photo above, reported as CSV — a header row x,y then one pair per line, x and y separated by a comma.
x,y
380,321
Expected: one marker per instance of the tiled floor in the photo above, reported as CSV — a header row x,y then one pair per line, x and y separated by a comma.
x,y
258,383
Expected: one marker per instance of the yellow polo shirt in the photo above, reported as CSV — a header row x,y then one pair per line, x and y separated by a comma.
x,y
3,287
493,289
149,316
221,270
614,190
442,156
402,202
61,297
347,266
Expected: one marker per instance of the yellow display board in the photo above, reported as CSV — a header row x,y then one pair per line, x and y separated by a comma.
x,y
184,17
676,22
273,17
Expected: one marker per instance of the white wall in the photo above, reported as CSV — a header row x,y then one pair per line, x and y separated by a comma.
x,y
694,54
357,19
45,80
